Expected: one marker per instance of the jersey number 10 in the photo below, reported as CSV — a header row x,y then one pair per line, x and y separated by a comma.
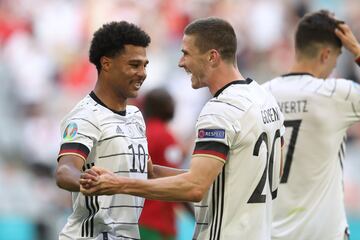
x,y
141,157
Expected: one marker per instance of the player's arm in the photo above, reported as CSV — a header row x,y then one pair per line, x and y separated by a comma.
x,y
158,171
80,130
162,171
68,172
348,39
189,186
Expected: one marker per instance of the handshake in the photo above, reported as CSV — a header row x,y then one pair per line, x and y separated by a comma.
x,y
99,181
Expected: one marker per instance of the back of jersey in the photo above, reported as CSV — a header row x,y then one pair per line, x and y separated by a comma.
x,y
238,205
317,114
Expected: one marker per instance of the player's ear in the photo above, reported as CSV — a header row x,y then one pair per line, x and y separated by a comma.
x,y
105,63
214,57
325,54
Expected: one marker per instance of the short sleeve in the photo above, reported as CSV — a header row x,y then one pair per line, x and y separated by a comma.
x,y
215,133
354,98
80,130
347,93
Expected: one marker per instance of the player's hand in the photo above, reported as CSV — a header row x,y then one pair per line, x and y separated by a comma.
x,y
348,39
96,181
90,176
105,183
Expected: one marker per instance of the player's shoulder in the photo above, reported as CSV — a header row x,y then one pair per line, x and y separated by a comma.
x,y
84,109
132,109
263,95
228,104
293,81
235,100
339,88
267,85
273,82
134,112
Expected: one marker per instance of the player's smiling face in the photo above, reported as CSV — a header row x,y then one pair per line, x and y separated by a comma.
x,y
127,71
193,62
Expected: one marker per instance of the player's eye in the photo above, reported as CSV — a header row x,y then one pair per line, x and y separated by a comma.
x,y
134,65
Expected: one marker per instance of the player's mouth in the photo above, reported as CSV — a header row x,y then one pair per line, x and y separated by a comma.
x,y
187,71
137,85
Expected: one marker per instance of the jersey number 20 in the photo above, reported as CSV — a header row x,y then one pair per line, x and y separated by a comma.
x,y
257,196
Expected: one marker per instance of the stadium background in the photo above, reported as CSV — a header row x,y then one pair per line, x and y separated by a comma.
x,y
44,71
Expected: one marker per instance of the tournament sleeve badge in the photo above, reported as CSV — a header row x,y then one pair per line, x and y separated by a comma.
x,y
211,133
70,131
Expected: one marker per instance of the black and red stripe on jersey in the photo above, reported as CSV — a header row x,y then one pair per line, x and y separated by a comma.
x,y
213,148
74,148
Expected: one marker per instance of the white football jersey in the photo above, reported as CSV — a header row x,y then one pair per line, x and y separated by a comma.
x,y
310,203
241,127
115,141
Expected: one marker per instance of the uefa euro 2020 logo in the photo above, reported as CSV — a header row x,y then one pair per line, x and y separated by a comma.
x,y
70,131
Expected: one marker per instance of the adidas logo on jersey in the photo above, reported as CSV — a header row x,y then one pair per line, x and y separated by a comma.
x,y
140,128
119,130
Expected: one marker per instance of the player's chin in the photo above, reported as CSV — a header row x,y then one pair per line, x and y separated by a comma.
x,y
195,84
133,94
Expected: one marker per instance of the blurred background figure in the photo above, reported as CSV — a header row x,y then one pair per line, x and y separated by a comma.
x,y
158,218
44,71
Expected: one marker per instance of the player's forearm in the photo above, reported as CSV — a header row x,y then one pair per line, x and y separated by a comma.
x,y
354,48
162,171
177,188
68,178
356,53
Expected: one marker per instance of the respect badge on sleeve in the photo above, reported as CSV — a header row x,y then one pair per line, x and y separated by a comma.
x,y
211,133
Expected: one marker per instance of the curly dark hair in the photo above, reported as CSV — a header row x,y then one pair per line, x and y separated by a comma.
x,y
316,28
109,40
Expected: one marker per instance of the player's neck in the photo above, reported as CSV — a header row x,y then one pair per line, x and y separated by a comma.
x,y
306,66
222,76
109,98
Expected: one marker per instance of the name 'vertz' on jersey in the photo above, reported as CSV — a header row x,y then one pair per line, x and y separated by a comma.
x,y
270,115
293,106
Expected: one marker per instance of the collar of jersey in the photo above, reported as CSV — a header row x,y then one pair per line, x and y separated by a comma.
x,y
96,99
296,74
246,81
